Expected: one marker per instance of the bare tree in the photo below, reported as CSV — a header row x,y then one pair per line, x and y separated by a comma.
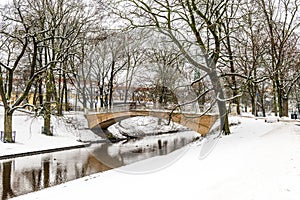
x,y
231,26
191,25
62,24
164,72
83,78
19,49
136,54
252,57
280,18
104,58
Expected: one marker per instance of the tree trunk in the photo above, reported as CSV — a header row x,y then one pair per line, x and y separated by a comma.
x,y
253,104
47,120
41,96
83,95
217,86
8,136
65,94
101,96
47,106
91,97
127,81
262,102
232,70
59,97
111,84
279,96
236,101
275,100
285,106
34,102
54,92
59,108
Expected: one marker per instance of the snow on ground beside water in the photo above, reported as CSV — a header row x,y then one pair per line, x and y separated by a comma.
x,y
258,161
29,137
143,126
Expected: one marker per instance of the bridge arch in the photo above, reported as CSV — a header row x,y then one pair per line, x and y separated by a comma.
x,y
196,122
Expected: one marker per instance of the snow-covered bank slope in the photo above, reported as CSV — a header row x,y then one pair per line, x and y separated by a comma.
x,y
258,161
141,126
29,137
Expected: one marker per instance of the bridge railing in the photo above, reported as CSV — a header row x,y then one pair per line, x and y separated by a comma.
x,y
130,106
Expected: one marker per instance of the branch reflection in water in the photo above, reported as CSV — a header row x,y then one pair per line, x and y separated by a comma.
x,y
32,173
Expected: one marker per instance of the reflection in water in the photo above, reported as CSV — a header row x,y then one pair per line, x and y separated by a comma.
x,y
46,173
6,180
130,151
27,174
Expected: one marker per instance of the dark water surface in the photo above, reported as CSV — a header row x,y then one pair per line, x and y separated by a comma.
x,y
32,173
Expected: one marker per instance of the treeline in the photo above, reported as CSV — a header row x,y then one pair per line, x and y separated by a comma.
x,y
40,44
249,50
241,52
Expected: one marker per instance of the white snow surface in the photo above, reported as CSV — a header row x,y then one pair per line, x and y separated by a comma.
x,y
258,161
67,131
143,126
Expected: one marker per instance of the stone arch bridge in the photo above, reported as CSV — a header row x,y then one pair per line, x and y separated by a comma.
x,y
196,122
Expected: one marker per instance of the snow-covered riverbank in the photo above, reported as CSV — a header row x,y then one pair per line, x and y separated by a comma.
x,y
258,161
136,127
29,137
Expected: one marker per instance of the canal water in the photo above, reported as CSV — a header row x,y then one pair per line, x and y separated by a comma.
x,y
32,173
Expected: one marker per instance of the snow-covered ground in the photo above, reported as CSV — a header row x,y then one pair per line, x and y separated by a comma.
x,y
257,161
68,131
143,126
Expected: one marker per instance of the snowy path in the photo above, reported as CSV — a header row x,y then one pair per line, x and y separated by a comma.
x,y
259,161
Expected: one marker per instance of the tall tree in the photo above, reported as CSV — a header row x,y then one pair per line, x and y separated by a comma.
x,y
19,49
62,23
165,67
252,51
230,26
135,52
191,25
280,19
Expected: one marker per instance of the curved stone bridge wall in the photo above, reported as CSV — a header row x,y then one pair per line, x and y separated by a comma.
x,y
195,122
